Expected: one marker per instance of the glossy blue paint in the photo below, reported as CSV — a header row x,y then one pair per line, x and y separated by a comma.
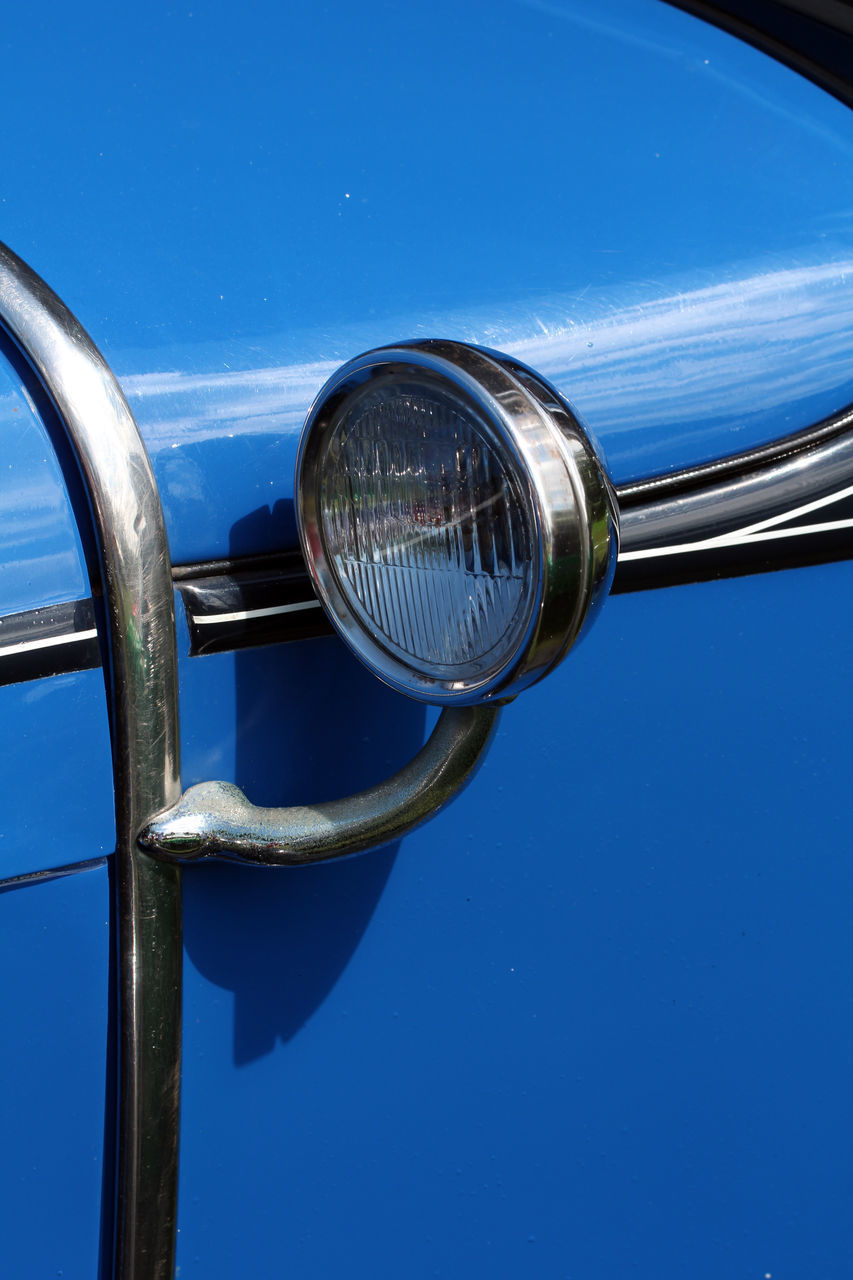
x,y
597,1021
54,954
56,768
652,214
55,757
41,556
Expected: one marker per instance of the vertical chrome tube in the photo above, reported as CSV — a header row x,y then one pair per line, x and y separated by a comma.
x,y
141,676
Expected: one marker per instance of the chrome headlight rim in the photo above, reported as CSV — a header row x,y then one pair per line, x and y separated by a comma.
x,y
570,506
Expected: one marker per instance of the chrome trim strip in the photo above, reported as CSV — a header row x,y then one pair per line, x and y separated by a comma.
x,y
721,519
51,640
238,604
745,522
27,646
141,680
245,615
690,479
51,873
215,820
761,530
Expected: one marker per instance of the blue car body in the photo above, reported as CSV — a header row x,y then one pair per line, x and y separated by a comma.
x,y
593,1020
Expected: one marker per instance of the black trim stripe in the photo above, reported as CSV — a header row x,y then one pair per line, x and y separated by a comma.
x,y
246,603
47,642
52,873
642,492
813,37
782,506
786,512
241,607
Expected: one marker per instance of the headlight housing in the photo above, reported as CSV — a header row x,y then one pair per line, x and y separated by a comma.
x,y
456,520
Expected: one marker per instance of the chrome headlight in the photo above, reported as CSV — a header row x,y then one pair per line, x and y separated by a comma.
x,y
455,518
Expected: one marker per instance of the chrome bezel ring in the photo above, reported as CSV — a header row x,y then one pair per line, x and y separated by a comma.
x,y
572,509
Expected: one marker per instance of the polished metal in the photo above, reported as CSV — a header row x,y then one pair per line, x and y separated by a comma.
x,y
801,444
573,508
788,509
51,873
215,820
141,678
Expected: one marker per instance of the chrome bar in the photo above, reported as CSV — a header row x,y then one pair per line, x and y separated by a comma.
x,y
215,820
141,680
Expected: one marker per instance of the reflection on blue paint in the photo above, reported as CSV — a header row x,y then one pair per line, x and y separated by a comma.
x,y
54,957
657,216
56,770
664,377
41,558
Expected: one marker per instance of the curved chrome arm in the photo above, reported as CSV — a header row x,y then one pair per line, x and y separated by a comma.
x,y
215,820
142,691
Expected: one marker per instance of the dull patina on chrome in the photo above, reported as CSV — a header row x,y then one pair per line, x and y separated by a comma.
x,y
141,679
215,820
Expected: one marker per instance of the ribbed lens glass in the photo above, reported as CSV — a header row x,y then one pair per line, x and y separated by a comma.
x,y
428,529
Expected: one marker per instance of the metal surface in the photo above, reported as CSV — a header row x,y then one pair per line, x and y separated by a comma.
x,y
142,695
655,488
734,514
215,820
47,641
815,37
793,509
574,510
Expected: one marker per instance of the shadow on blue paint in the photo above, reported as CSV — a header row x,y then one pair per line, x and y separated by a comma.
x,y
311,724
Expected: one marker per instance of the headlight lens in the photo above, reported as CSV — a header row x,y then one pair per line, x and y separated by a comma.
x,y
427,529
420,484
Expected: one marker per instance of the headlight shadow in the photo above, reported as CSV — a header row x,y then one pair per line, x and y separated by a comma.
x,y
310,724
